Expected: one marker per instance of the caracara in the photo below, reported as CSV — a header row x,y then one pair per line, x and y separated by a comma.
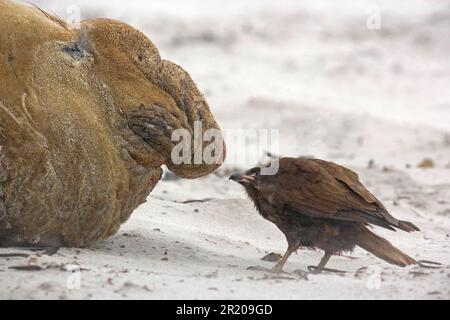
x,y
319,204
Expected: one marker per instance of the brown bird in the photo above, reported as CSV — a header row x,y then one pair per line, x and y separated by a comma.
x,y
319,204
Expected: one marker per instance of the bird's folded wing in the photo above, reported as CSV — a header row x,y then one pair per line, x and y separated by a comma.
x,y
325,190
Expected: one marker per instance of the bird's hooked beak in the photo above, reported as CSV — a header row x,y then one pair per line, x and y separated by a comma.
x,y
242,178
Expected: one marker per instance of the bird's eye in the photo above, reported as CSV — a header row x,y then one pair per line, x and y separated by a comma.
x,y
255,170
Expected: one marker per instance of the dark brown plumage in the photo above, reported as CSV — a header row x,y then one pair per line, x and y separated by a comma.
x,y
319,204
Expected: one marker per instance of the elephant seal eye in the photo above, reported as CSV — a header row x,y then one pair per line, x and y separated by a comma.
x,y
76,50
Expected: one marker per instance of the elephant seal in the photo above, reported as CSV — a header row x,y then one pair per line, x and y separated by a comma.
x,y
86,119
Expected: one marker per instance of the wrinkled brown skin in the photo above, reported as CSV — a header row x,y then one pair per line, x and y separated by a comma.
x,y
86,117
320,204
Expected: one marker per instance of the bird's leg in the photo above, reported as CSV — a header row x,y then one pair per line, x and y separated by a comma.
x,y
322,263
279,266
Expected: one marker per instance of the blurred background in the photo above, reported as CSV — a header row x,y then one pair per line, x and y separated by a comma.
x,y
360,82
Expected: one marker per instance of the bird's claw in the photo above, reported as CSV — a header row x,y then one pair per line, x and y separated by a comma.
x,y
429,264
317,270
258,268
272,270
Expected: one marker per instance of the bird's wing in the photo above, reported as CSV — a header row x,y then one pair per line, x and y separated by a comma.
x,y
325,190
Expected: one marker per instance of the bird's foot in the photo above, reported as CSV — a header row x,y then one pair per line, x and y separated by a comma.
x,y
277,269
317,270
429,264
258,268
272,270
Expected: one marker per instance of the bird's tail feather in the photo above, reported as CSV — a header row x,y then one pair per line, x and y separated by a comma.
x,y
382,248
407,226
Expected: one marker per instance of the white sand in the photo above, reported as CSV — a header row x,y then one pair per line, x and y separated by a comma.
x,y
336,90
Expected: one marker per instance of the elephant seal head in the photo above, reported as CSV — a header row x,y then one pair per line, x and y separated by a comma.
x,y
87,116
153,96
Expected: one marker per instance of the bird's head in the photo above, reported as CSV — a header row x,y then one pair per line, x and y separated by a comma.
x,y
248,178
